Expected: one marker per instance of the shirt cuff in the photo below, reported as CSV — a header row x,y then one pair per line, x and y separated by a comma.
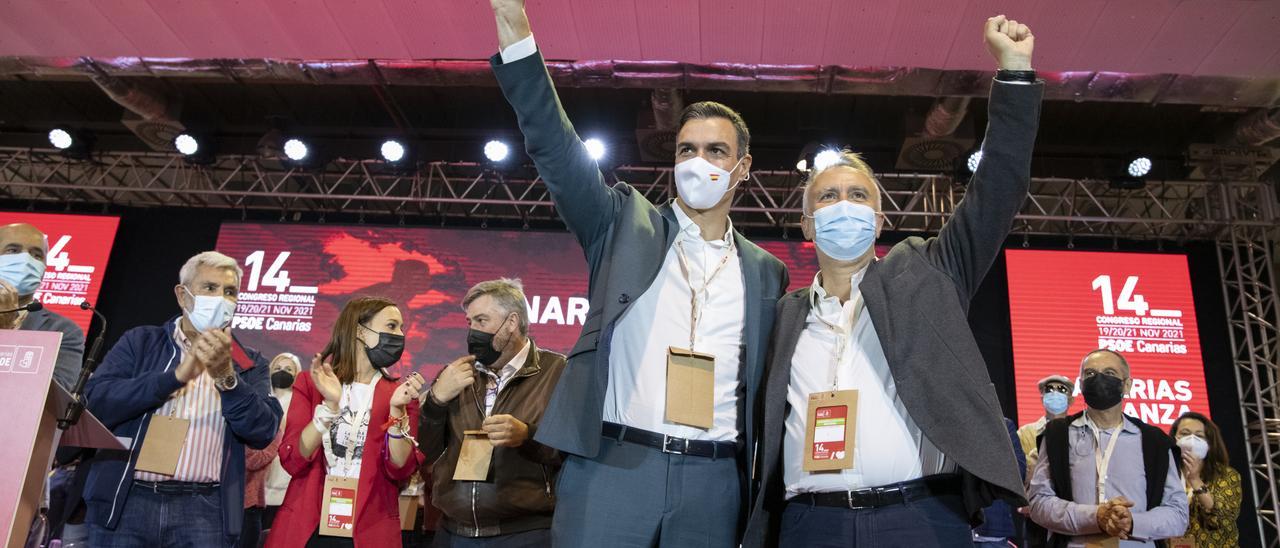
x,y
519,50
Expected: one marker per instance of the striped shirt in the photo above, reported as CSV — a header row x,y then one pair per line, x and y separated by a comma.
x,y
199,402
498,380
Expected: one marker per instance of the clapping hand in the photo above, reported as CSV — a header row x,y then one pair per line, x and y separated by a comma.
x,y
324,379
406,392
1114,517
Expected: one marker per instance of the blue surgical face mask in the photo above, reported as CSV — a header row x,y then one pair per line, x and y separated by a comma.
x,y
22,271
209,311
1056,402
844,230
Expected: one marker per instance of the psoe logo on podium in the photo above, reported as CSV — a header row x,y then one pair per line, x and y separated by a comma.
x,y
20,359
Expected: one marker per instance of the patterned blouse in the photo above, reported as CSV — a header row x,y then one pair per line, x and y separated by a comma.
x,y
1217,528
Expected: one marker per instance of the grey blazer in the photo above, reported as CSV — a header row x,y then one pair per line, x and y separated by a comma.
x,y
625,238
66,371
918,297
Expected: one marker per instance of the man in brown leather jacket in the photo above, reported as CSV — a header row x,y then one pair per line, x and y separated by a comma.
x,y
494,484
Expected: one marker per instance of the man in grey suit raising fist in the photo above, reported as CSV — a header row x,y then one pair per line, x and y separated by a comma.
x,y
881,425
657,405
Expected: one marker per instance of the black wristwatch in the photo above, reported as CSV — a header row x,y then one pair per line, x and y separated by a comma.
x,y
1028,76
1200,491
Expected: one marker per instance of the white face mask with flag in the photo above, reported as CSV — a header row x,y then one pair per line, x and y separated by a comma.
x,y
701,184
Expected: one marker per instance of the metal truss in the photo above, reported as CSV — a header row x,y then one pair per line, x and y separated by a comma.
x,y
1249,290
912,202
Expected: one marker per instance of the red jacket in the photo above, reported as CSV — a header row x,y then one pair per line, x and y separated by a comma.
x,y
377,502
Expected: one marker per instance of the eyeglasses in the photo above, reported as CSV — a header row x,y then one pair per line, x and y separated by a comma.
x,y
1057,388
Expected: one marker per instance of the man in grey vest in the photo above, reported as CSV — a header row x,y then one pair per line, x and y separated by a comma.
x,y
881,425
656,406
22,264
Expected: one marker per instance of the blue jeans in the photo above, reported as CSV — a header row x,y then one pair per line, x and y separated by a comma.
x,y
154,520
930,521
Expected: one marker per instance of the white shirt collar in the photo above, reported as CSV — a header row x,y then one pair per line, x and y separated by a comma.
x,y
691,231
819,295
512,366
1125,424
179,337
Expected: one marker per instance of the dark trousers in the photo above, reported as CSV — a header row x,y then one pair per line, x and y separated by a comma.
x,y
317,541
153,520
269,517
927,521
537,538
636,496
251,531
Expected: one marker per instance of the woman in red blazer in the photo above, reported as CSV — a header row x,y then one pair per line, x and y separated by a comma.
x,y
348,419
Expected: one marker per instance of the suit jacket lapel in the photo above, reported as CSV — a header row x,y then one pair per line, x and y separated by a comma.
x,y
751,278
874,298
670,215
789,324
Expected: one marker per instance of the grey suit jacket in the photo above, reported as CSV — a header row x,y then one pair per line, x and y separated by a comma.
x,y
625,238
918,297
71,354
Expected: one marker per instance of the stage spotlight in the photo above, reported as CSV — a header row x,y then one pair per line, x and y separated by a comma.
x,y
76,144
496,151
596,148
296,150
825,159
802,165
187,144
971,163
392,150
61,139
1140,167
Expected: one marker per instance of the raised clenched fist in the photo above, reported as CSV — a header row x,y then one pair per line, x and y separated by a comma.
x,y
1009,42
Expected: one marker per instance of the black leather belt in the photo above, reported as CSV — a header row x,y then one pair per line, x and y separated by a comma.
x,y
669,444
888,495
177,487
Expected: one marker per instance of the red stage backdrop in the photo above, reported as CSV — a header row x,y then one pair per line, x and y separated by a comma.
x,y
79,247
298,276
1065,303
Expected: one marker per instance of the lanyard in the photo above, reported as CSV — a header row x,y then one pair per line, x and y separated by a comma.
x,y
695,311
843,333
486,407
348,463
1102,461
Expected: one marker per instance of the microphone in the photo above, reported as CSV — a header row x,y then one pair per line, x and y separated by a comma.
x,y
74,409
33,306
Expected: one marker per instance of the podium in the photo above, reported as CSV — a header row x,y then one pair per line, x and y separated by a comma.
x,y
29,427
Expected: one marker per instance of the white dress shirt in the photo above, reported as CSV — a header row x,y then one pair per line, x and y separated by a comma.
x,y
660,318
888,446
519,50
498,381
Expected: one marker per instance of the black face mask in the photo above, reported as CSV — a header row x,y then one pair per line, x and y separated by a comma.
x,y
282,379
480,345
1102,391
388,350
